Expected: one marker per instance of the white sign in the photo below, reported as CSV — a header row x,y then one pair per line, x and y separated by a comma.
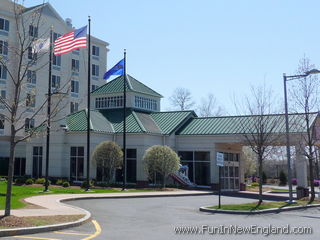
x,y
220,159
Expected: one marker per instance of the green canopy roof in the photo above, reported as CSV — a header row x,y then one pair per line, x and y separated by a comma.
x,y
244,124
132,84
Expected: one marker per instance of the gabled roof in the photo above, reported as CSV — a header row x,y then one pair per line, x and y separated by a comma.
x,y
168,122
132,84
242,124
111,121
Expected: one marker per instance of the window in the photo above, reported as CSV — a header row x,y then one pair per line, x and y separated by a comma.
x,y
75,65
55,82
74,86
33,31
19,166
95,51
95,70
55,36
1,123
76,162
198,163
56,60
31,55
3,47
145,103
2,95
94,87
74,106
37,162
4,24
31,77
31,100
109,102
131,172
3,72
28,124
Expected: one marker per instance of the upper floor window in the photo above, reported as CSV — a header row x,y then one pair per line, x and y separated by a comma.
x,y
4,24
56,60
33,31
109,102
75,65
74,106
1,122
94,87
56,35
74,86
145,103
31,100
29,123
95,70
31,54
55,81
3,94
31,77
3,47
3,72
95,51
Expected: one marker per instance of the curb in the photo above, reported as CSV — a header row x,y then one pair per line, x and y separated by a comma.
x,y
46,228
86,218
271,210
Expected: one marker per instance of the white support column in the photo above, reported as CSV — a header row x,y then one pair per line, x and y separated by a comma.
x,y
301,167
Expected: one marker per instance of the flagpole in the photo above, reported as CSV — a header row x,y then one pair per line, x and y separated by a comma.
x,y
124,123
88,106
48,117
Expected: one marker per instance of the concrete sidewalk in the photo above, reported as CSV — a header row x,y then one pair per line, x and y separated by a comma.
x,y
51,204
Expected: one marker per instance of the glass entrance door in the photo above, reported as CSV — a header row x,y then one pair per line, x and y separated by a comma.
x,y
230,172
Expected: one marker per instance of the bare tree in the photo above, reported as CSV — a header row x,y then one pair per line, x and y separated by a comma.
x,y
182,99
250,163
22,61
305,97
209,107
258,127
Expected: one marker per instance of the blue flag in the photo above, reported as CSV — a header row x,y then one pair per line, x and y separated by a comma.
x,y
118,69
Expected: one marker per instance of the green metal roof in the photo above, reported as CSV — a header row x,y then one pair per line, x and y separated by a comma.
x,y
170,121
132,84
111,121
244,124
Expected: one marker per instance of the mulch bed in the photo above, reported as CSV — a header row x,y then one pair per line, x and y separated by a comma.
x,y
13,221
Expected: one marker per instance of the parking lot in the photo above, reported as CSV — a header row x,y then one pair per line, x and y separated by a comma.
x,y
163,217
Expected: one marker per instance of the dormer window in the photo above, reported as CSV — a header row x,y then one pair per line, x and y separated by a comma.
x,y
109,102
145,103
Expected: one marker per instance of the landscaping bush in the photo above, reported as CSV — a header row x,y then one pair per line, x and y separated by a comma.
x,y
254,184
20,180
29,181
60,182
84,184
282,178
65,184
40,181
294,181
316,182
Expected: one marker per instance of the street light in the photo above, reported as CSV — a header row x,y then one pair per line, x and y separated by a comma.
x,y
285,79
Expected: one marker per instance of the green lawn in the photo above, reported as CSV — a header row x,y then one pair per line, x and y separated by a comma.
x,y
281,190
265,205
21,192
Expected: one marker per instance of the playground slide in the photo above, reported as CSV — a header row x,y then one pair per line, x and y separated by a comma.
x,y
182,179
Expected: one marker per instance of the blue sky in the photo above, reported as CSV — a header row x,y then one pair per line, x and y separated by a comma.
x,y
207,46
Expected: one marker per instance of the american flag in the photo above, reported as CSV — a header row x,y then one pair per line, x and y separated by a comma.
x,y
71,41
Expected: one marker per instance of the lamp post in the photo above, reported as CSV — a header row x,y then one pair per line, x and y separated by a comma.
x,y
285,79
